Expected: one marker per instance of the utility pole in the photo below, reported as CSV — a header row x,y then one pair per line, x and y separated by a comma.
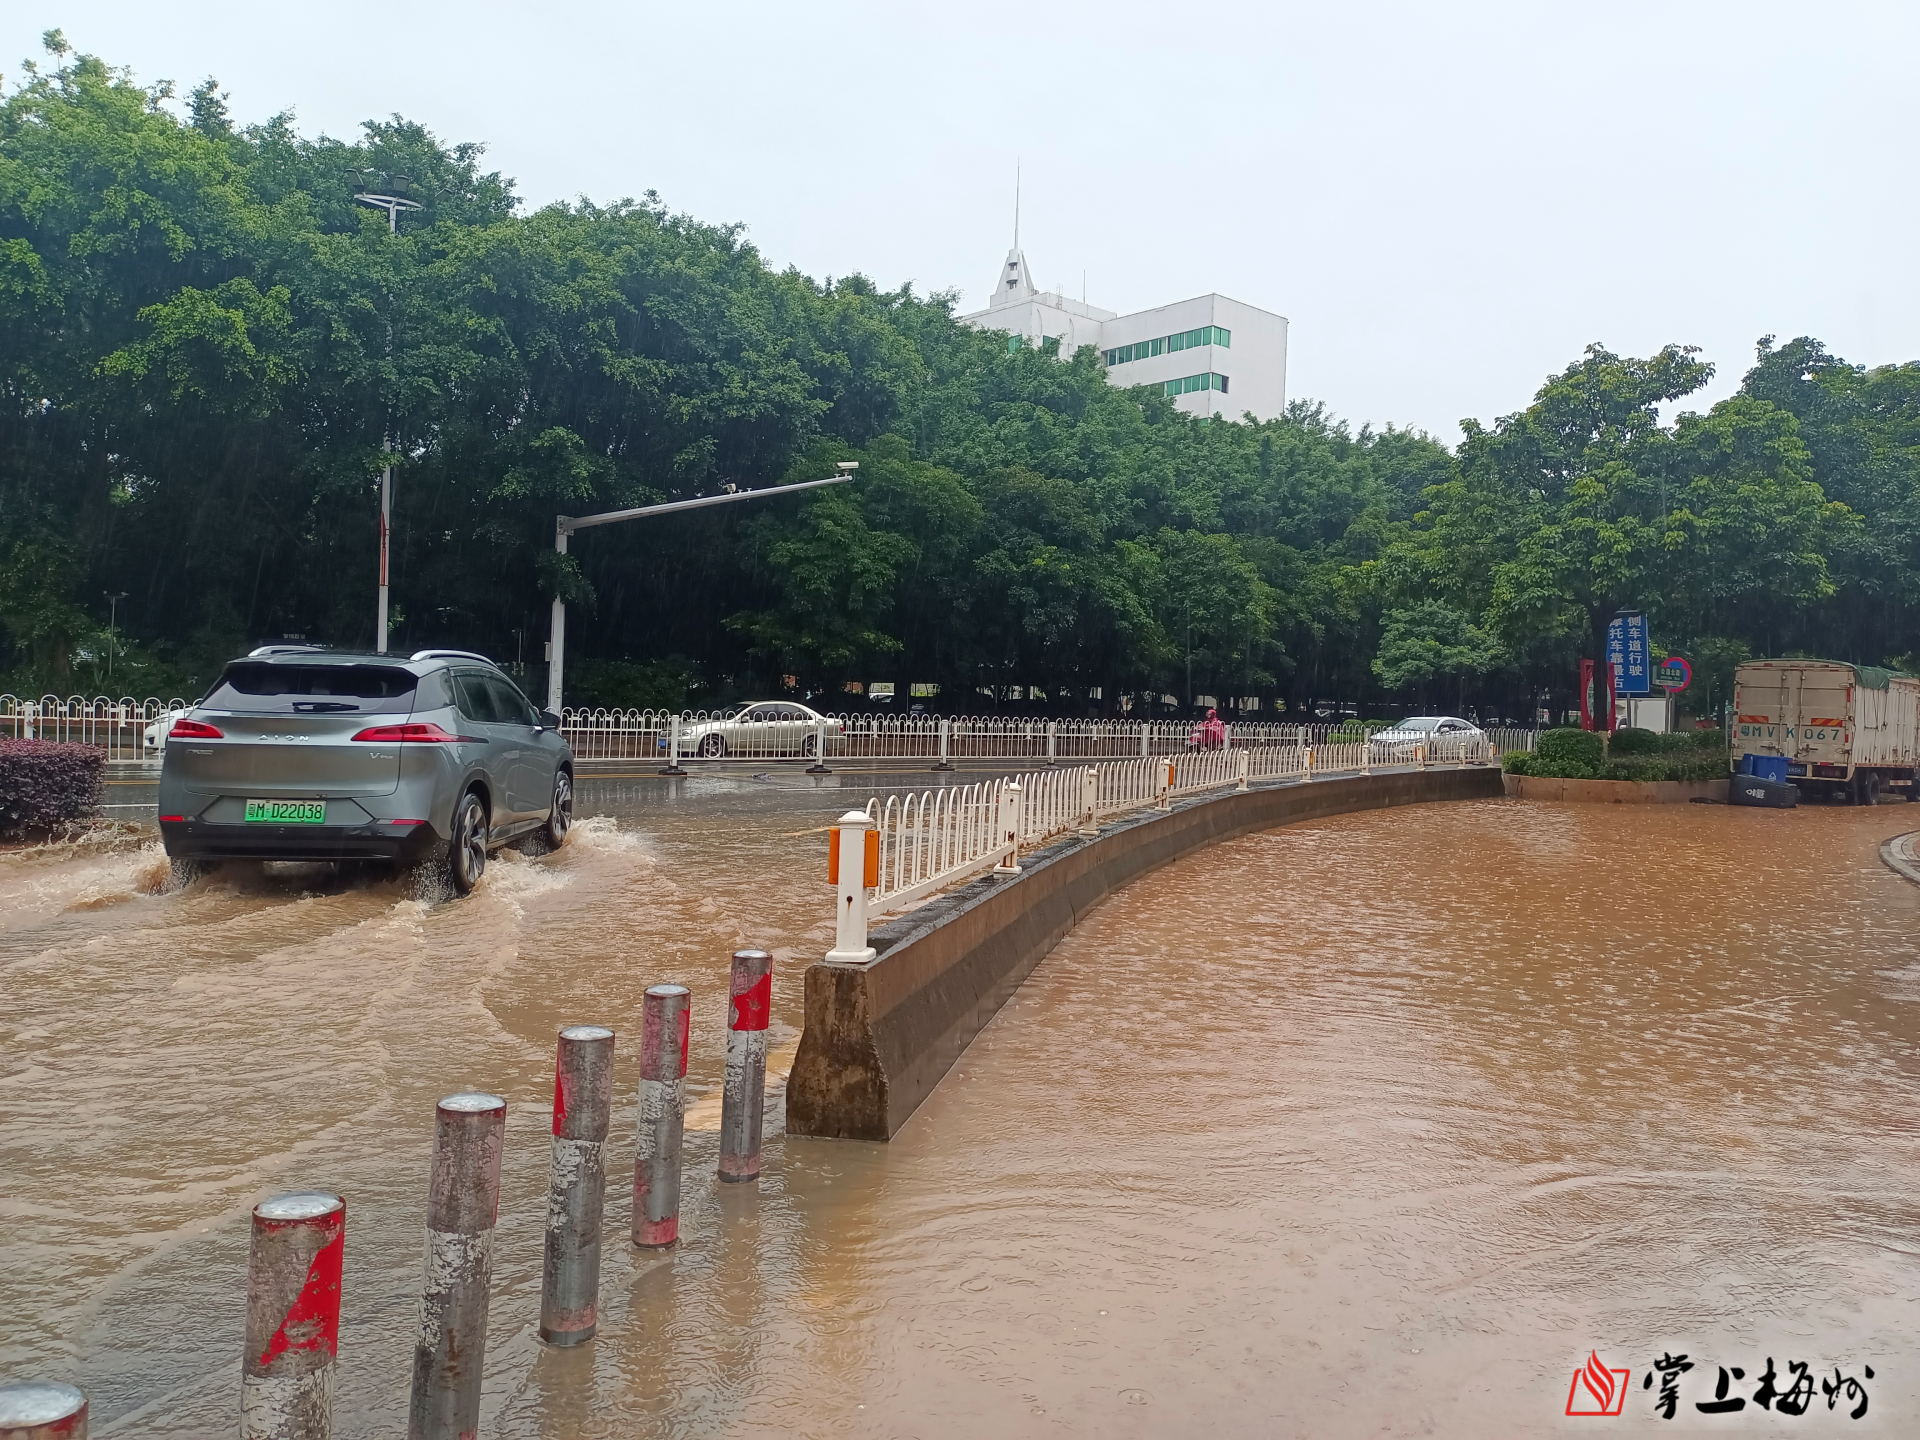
x,y
565,525
393,205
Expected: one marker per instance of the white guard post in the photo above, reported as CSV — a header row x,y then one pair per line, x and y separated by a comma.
x,y
1240,762
1164,800
819,765
946,746
1145,725
1089,802
850,930
1010,818
672,767
1053,732
1306,764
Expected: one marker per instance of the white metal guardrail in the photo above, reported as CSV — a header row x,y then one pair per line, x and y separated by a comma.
x,y
712,735
903,848
130,729
124,728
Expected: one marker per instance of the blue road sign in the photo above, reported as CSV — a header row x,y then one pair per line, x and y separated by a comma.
x,y
1627,654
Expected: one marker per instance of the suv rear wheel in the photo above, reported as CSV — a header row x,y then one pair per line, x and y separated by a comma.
x,y
560,818
467,851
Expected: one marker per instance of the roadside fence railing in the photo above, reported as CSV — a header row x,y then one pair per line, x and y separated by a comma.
x,y
130,729
903,848
774,735
124,728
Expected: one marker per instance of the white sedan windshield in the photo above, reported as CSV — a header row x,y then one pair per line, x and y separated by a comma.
x,y
1419,722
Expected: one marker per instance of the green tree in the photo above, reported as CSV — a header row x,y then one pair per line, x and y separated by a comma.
x,y
1427,644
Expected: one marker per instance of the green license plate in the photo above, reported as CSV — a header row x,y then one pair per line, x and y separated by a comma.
x,y
288,812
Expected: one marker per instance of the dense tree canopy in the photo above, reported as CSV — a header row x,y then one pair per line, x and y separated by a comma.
x,y
209,348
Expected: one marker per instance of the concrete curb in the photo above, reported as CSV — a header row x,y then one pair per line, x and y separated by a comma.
x,y
880,1036
1900,856
1615,792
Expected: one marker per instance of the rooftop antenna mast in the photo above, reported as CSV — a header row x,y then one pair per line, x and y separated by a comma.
x,y
1016,205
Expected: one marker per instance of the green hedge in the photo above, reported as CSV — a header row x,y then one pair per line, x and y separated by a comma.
x,y
1629,755
44,783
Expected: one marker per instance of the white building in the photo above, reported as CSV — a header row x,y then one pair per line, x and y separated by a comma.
x,y
1215,356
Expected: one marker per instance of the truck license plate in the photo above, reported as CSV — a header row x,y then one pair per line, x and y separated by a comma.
x,y
288,812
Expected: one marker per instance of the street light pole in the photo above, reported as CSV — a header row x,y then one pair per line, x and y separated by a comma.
x,y
565,525
113,614
393,205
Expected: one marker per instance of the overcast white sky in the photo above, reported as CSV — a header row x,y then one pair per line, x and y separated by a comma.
x,y
1447,201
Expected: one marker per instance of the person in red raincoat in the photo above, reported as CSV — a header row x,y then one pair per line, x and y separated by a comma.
x,y
1209,734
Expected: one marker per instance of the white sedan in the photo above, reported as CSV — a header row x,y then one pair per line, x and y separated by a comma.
x,y
156,733
763,729
1446,738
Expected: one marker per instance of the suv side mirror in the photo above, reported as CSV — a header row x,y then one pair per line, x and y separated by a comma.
x,y
549,719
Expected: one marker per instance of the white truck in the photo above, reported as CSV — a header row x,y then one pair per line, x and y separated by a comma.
x,y
1849,731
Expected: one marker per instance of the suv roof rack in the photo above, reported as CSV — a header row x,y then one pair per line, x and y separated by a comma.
x,y
448,655
282,650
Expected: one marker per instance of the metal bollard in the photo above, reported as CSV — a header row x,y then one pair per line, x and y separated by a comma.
x,y
576,1185
1145,726
1010,824
744,1102
1089,802
463,1201
663,1104
42,1410
673,766
819,765
1242,768
854,868
1053,742
946,746
293,1316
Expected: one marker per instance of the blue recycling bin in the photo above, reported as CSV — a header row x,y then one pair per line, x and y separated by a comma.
x,y
1765,767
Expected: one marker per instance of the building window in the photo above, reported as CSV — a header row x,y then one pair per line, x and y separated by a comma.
x,y
1186,384
1168,345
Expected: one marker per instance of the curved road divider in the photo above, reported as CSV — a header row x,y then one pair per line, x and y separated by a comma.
x,y
1899,855
880,1033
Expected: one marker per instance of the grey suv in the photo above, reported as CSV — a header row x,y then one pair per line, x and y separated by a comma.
x,y
305,754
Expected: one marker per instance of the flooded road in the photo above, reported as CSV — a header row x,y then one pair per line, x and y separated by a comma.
x,y
1370,1126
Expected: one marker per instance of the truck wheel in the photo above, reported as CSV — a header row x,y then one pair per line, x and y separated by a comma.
x,y
1866,788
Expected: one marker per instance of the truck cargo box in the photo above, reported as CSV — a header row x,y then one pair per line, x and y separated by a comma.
x,y
1830,720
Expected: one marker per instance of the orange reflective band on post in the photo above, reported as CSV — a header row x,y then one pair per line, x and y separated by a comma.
x,y
872,868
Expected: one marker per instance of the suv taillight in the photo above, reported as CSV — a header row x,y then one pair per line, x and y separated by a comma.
x,y
193,730
407,734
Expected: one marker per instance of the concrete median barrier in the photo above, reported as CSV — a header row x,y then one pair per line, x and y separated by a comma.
x,y
880,1034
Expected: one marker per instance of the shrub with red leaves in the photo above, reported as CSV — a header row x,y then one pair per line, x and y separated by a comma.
x,y
44,783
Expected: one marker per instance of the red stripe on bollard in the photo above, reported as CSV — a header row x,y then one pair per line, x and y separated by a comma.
x,y
293,1316
665,1030
42,1410
744,1101
752,1008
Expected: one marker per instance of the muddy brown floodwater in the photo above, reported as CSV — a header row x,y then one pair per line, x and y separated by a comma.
x,y
1372,1126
